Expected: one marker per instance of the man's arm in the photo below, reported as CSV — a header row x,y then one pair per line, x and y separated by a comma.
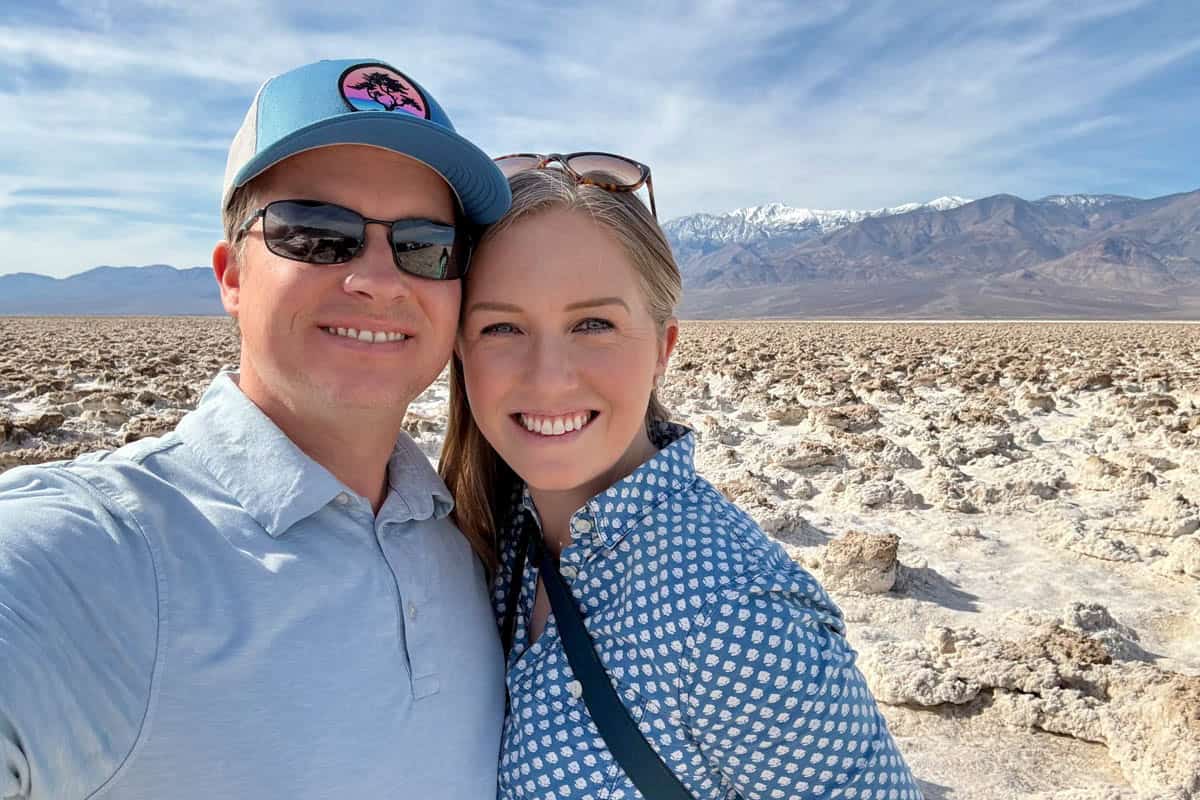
x,y
78,635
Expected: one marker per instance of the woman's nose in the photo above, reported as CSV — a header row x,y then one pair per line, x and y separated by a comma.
x,y
551,363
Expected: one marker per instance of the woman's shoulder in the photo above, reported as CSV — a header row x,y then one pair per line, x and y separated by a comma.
x,y
723,553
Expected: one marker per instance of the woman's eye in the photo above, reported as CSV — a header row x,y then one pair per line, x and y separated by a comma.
x,y
593,324
498,328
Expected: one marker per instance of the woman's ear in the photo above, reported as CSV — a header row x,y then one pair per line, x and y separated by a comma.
x,y
666,345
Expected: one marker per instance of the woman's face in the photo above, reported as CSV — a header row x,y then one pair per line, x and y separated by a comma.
x,y
560,352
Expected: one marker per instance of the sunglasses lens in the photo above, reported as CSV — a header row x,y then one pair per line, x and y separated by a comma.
x,y
511,165
621,170
310,231
429,249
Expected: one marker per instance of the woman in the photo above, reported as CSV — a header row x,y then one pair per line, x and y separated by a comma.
x,y
727,657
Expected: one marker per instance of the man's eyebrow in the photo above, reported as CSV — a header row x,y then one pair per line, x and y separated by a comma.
x,y
599,301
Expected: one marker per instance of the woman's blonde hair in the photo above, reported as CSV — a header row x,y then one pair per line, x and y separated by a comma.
x,y
477,477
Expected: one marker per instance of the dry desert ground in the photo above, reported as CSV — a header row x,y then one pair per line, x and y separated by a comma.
x,y
1008,514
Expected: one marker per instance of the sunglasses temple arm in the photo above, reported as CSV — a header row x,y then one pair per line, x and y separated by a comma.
x,y
248,224
650,191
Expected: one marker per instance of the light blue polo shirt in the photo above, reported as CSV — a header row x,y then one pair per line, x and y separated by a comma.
x,y
212,614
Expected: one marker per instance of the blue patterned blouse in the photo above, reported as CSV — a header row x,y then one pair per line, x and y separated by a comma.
x,y
728,655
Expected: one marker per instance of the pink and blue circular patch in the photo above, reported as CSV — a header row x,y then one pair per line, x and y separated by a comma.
x,y
378,87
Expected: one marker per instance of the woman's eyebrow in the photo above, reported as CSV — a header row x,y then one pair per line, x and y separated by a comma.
x,y
484,305
599,301
487,305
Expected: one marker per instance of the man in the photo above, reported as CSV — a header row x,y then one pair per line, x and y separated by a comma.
x,y
270,601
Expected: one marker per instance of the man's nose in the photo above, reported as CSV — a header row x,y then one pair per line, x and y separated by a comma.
x,y
373,274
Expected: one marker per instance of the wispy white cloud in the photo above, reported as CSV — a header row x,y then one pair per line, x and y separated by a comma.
x,y
732,102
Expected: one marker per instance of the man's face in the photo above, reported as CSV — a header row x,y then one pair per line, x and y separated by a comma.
x,y
289,312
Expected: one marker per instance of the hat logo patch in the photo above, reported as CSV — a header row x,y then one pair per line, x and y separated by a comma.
x,y
378,87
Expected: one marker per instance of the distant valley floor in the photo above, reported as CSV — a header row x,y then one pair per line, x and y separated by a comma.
x,y
965,299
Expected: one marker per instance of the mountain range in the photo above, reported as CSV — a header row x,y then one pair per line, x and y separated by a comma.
x,y
1077,256
1063,256
155,289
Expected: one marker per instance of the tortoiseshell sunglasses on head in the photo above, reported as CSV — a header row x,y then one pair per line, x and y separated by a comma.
x,y
630,175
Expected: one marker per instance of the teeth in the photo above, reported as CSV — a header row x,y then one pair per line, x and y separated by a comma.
x,y
367,336
555,426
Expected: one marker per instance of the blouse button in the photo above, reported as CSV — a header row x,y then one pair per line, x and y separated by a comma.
x,y
583,526
575,689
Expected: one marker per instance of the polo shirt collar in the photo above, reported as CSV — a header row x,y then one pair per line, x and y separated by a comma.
x,y
275,481
417,492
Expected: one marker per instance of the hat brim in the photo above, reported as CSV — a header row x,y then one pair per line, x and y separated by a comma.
x,y
479,184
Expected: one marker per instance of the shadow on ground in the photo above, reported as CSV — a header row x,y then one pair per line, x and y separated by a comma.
x,y
924,583
803,534
935,791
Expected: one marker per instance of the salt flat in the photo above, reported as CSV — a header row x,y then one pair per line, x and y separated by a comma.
x,y
1008,513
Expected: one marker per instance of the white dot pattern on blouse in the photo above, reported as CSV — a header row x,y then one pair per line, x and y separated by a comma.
x,y
729,656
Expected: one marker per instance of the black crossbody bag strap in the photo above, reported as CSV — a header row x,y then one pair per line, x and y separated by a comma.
x,y
654,779
513,599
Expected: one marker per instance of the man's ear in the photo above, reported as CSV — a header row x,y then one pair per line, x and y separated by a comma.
x,y
666,343
228,271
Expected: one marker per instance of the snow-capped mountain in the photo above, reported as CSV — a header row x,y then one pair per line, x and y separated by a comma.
x,y
776,220
1086,200
999,255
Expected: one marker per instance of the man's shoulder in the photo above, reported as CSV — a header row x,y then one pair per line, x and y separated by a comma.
x,y
84,503
140,454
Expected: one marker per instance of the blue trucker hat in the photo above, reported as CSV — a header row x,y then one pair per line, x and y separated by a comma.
x,y
359,101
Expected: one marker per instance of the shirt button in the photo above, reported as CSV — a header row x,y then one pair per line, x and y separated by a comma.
x,y
583,526
575,689
568,572
342,499
412,611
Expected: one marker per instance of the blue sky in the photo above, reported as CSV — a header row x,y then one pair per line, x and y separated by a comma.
x,y
115,116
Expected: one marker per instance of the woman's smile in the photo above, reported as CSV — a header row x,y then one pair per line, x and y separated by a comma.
x,y
555,425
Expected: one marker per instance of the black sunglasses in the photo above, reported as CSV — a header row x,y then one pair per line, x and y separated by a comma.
x,y
324,233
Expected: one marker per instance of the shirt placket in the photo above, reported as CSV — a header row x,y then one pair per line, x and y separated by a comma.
x,y
572,563
586,544
413,571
